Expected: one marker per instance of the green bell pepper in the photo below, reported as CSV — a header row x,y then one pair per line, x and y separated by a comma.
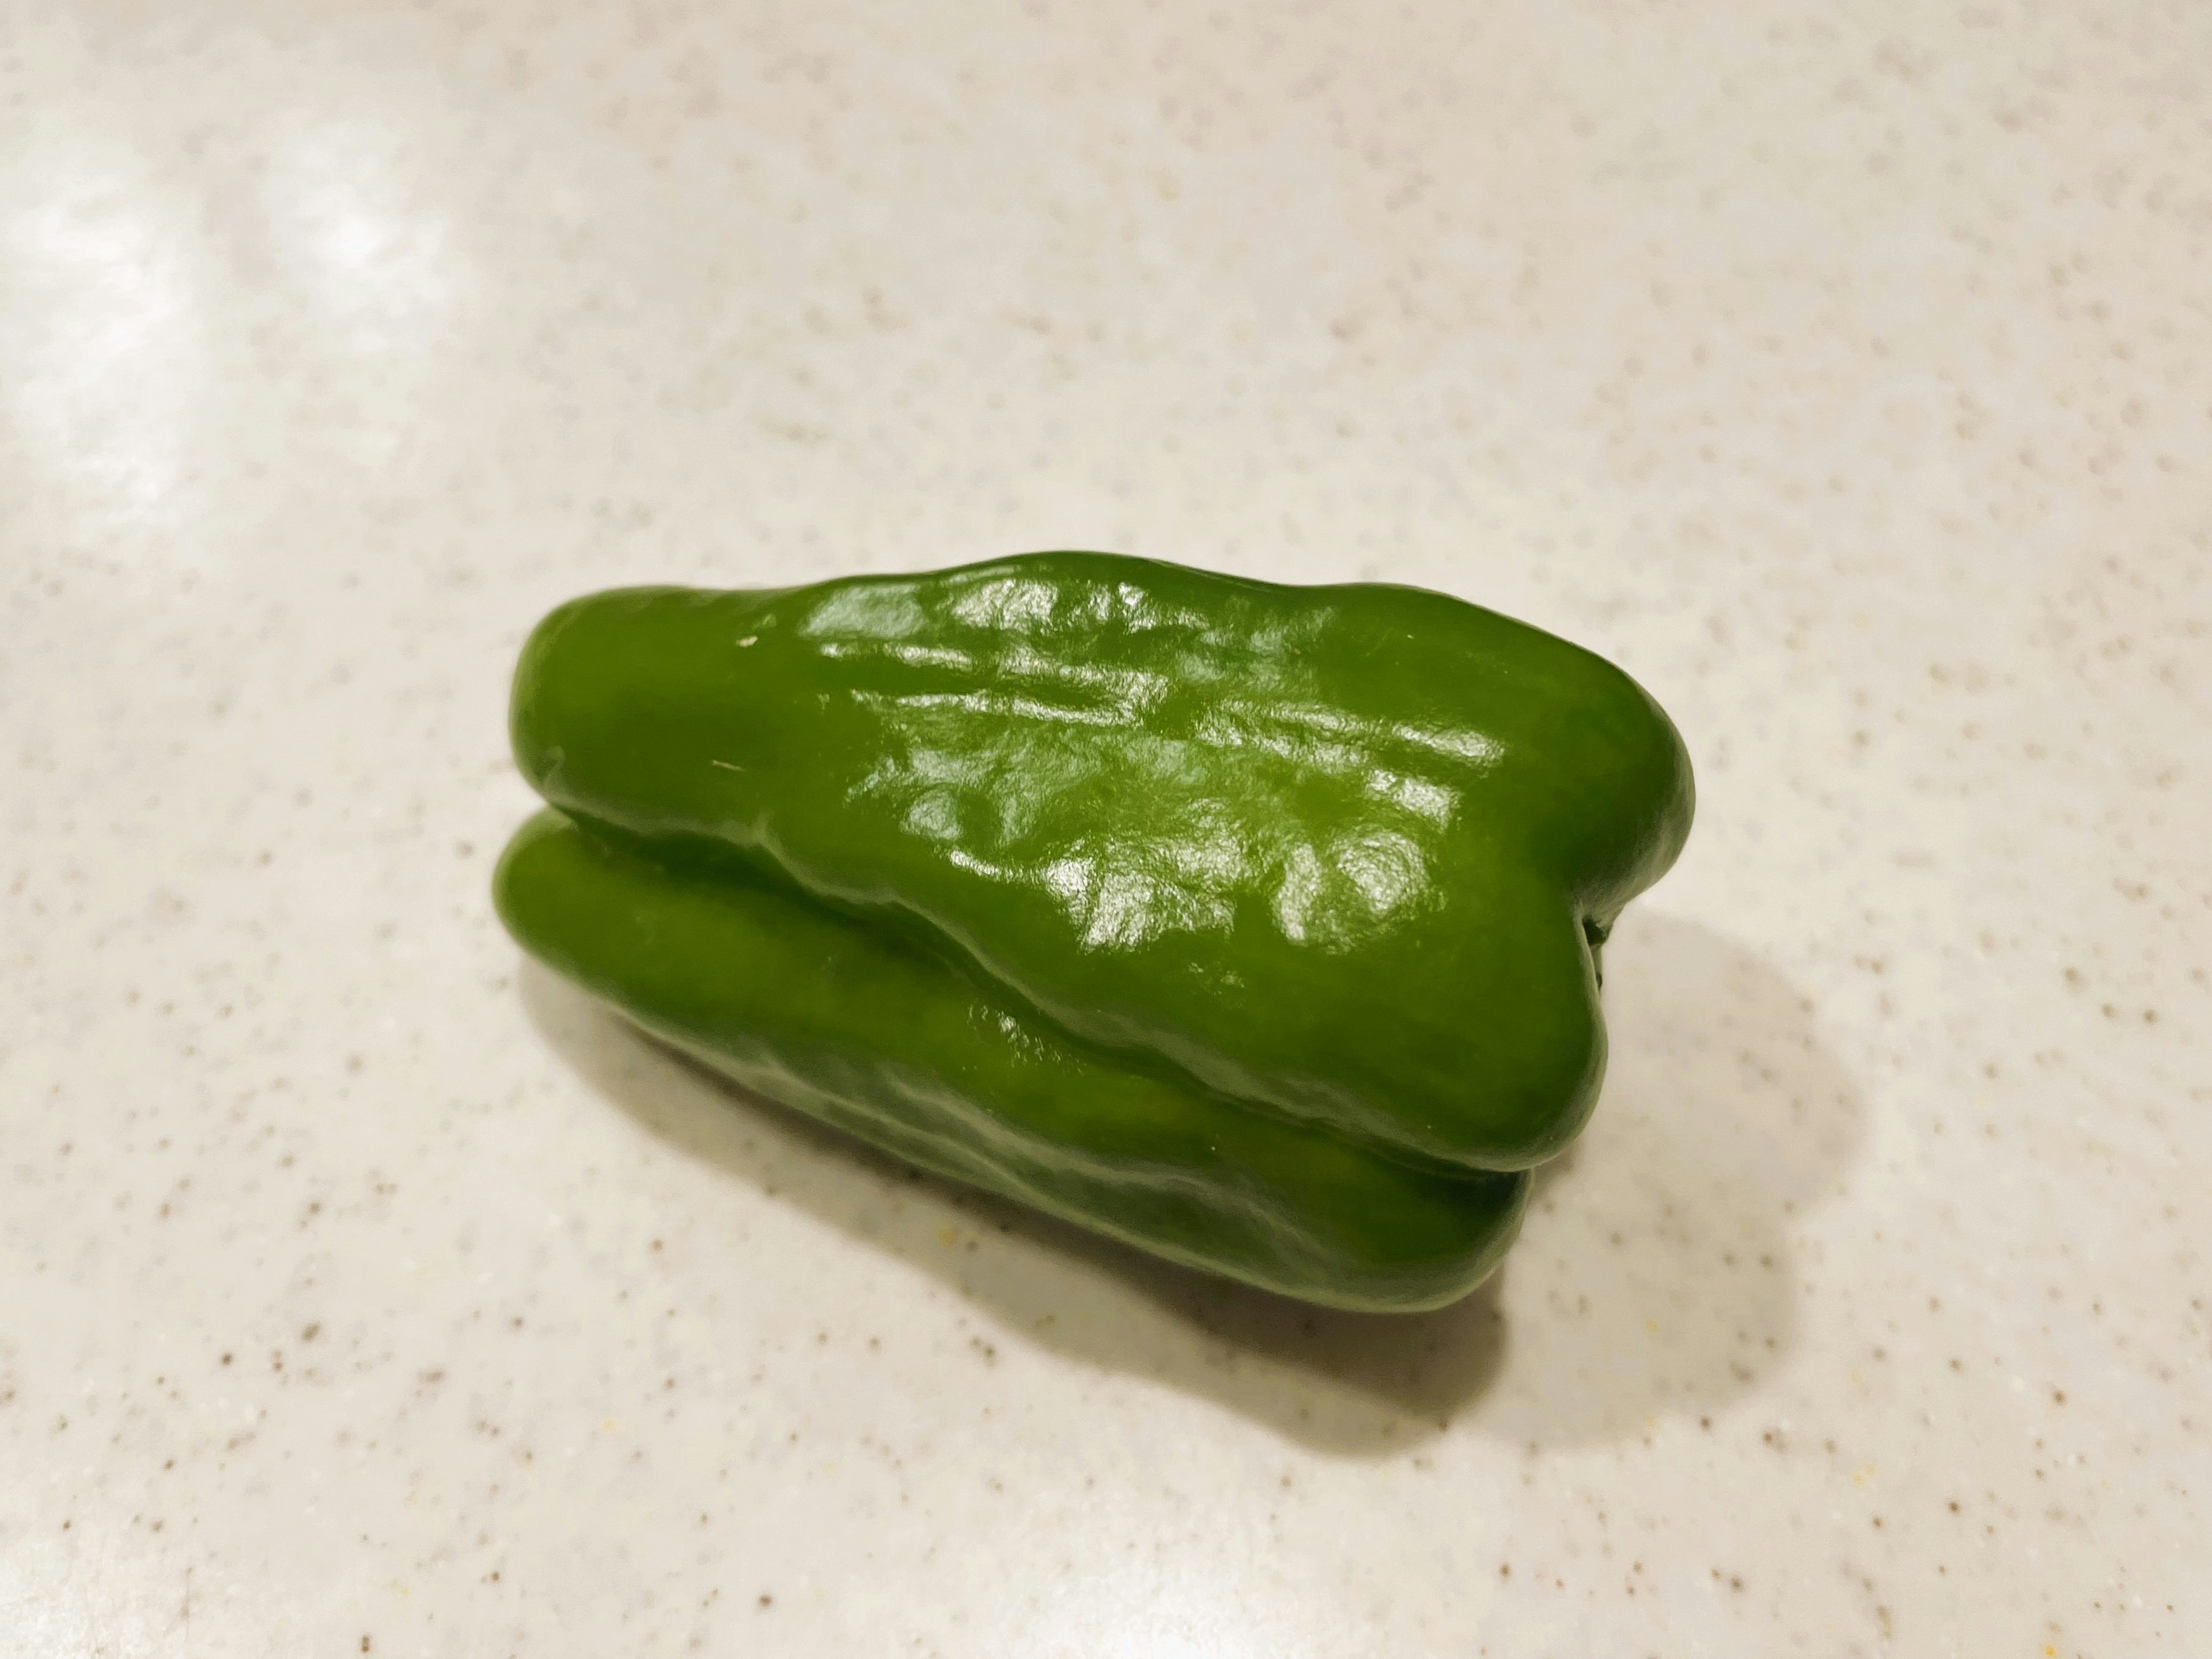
x,y
1255,926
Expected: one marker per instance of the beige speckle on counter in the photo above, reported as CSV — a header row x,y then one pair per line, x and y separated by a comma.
x,y
1845,373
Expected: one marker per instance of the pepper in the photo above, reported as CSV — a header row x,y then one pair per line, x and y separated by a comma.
x,y
1257,926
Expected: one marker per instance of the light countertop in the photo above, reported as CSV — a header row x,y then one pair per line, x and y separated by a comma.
x,y
1848,378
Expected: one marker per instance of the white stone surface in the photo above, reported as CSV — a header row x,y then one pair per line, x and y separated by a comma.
x,y
1847,375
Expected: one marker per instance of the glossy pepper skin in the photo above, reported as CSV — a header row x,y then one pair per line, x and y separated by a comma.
x,y
1255,925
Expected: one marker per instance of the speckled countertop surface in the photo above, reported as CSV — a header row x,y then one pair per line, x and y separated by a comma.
x,y
1849,377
